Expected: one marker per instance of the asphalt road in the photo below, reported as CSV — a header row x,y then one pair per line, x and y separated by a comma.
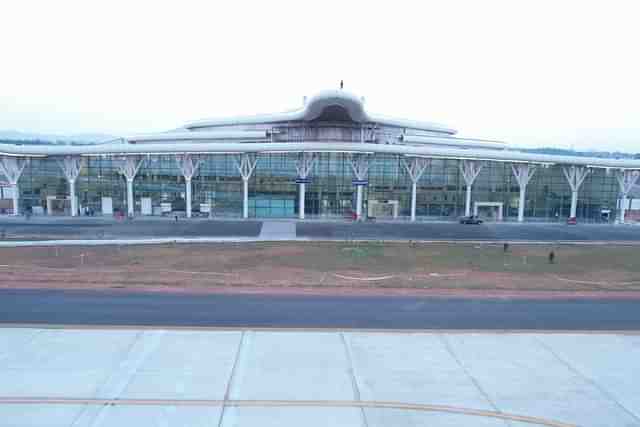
x,y
454,231
86,228
90,228
144,309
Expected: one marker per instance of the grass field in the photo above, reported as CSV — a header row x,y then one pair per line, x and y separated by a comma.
x,y
326,264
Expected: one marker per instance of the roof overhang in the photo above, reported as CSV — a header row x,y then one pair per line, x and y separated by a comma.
x,y
315,106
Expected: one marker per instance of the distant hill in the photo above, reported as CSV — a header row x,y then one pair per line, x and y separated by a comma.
x,y
568,152
30,138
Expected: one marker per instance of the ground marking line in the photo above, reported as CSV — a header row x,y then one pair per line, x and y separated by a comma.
x,y
354,380
364,279
449,349
588,379
285,403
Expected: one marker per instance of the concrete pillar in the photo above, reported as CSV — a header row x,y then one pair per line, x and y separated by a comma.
x,y
360,167
467,203
523,173
626,179
12,168
246,164
71,167
521,202
188,164
74,200
129,167
187,183
415,168
414,190
470,170
16,199
358,202
575,177
129,197
301,200
304,166
245,198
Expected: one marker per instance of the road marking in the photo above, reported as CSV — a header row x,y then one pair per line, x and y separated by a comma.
x,y
6,400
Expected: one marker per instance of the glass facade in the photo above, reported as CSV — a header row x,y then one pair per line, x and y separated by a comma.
x,y
159,188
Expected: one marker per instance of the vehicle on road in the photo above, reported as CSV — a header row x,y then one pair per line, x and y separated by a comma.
x,y
472,219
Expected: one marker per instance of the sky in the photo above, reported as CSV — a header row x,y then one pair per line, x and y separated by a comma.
x,y
537,73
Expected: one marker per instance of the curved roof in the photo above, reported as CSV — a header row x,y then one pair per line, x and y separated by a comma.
x,y
343,104
313,146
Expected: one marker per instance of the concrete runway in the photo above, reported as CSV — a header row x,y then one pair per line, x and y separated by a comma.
x,y
149,309
247,378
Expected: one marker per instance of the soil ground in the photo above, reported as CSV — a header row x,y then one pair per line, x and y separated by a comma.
x,y
325,265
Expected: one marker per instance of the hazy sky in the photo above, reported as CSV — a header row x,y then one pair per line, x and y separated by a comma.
x,y
561,73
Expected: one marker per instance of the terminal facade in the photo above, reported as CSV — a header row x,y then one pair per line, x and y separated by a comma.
x,y
329,159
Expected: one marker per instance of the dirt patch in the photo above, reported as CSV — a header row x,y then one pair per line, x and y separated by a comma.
x,y
325,265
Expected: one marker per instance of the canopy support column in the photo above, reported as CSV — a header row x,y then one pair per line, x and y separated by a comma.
x,y
626,179
12,168
129,169
575,176
470,170
523,173
188,165
360,167
71,167
304,166
246,164
415,168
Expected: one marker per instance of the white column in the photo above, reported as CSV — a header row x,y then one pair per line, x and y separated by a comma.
x,y
245,198
246,164
188,165
129,168
626,179
470,170
187,182
130,197
575,176
12,168
360,167
304,166
71,167
358,202
301,200
523,173
415,168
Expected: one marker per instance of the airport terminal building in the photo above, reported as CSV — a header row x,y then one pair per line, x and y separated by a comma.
x,y
331,158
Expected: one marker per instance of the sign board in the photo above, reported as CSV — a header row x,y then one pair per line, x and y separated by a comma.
x,y
360,182
303,180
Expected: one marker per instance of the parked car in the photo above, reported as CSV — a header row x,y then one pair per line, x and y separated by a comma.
x,y
473,219
572,220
